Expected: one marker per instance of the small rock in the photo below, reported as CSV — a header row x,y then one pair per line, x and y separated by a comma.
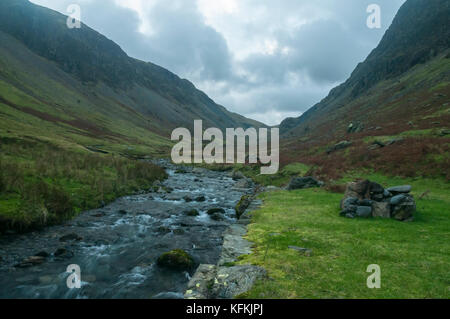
x,y
71,237
237,175
217,217
213,211
381,209
192,212
63,253
187,199
179,231
123,212
43,254
400,189
163,230
365,202
398,199
200,199
303,183
339,146
364,211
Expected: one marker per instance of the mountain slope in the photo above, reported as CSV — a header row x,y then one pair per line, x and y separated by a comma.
x,y
77,84
400,92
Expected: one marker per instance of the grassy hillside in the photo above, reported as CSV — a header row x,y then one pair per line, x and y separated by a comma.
x,y
43,184
413,257
393,112
402,128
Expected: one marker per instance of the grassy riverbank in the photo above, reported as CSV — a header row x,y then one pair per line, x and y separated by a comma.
x,y
42,184
414,257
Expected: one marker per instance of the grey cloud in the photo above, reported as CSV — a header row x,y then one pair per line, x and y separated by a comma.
x,y
321,53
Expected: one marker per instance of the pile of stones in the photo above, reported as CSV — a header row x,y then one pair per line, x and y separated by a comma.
x,y
367,199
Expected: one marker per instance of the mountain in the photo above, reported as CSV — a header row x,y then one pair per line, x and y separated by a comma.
x,y
398,96
77,86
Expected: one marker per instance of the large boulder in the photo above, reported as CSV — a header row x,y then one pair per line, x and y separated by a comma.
x,y
304,182
176,259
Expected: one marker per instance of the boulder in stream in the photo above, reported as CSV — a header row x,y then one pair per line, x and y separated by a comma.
x,y
176,259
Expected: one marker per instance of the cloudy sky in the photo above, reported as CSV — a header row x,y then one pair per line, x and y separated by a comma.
x,y
265,59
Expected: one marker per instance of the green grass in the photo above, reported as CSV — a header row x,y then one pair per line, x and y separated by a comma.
x,y
42,184
414,257
284,175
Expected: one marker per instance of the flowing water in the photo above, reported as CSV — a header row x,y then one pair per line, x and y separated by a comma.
x,y
119,244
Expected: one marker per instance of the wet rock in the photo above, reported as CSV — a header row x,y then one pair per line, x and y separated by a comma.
x,y
123,212
381,209
178,231
364,211
303,182
30,262
63,253
400,189
176,260
192,212
237,175
200,199
217,217
163,230
43,254
71,237
243,204
187,199
98,215
213,211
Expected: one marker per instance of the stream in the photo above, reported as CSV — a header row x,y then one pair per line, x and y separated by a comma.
x,y
117,246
